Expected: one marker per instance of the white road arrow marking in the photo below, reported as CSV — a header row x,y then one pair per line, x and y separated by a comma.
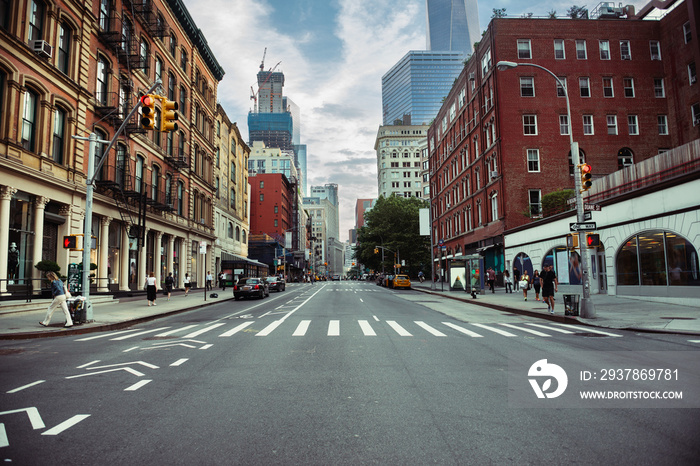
x,y
128,369
125,364
26,386
137,385
34,419
67,424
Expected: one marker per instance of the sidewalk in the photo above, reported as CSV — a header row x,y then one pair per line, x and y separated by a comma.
x,y
612,312
21,321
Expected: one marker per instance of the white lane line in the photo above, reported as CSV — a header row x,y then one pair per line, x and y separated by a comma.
x,y
430,329
691,341
361,300
399,329
26,386
88,364
130,349
4,442
376,318
367,328
207,346
67,424
204,330
551,328
496,330
528,330
179,362
269,329
111,334
302,328
587,330
334,328
463,330
165,334
138,334
137,385
237,329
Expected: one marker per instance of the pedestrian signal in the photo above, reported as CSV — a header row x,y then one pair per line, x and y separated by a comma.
x,y
592,240
585,177
572,241
70,242
169,116
148,112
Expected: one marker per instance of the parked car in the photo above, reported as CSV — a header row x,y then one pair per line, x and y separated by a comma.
x,y
388,281
402,281
248,287
335,278
276,283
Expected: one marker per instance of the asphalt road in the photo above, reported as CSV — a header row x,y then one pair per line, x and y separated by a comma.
x,y
333,373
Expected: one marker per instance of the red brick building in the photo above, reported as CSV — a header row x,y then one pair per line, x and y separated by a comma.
x,y
270,204
501,139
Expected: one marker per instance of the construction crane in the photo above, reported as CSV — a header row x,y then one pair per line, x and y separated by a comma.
x,y
253,93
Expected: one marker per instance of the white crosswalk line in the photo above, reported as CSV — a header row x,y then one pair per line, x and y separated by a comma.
x,y
269,329
204,330
691,341
528,330
236,329
430,329
367,328
463,330
138,334
105,335
587,330
165,334
496,330
551,328
301,328
399,329
334,328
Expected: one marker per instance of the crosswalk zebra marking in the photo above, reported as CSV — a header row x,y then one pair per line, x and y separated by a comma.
x,y
236,329
334,328
301,328
165,334
528,330
269,329
551,328
367,329
204,330
496,330
588,330
138,334
463,330
399,329
430,329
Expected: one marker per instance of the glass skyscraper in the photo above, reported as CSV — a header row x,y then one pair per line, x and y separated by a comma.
x,y
452,25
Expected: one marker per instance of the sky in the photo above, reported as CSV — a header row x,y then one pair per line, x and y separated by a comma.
x,y
333,54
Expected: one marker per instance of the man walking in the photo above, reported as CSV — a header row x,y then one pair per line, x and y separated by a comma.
x,y
550,285
210,277
491,275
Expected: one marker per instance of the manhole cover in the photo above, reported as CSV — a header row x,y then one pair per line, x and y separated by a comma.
x,y
586,334
678,318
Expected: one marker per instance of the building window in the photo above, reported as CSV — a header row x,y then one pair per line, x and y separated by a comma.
x,y
486,62
527,87
232,199
183,60
625,52
102,85
612,124
262,185
530,125
561,90
625,158
104,15
173,44
143,55
581,50
687,33
494,207
180,198
608,87
181,144
478,213
692,74
262,197
524,51
655,49
533,160
559,52
695,114
604,46
584,87
29,120
183,100
632,125
58,135
588,125
659,91
535,202
662,124
36,21
628,85
64,35
564,125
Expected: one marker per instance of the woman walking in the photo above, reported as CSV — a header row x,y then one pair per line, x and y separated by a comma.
x,y
169,283
187,284
59,300
525,283
151,289
536,284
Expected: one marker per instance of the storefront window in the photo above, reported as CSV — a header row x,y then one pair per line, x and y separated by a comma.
x,y
682,261
627,265
21,239
651,258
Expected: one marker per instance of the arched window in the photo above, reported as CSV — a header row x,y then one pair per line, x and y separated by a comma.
x,y
244,238
230,230
63,48
522,262
567,265
59,135
120,169
181,144
494,207
625,158
183,101
138,175
169,189
155,183
183,59
238,233
171,86
173,44
100,152
180,198
102,85
159,69
143,55
127,28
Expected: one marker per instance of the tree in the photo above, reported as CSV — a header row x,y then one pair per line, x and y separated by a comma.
x,y
498,13
393,223
556,202
577,12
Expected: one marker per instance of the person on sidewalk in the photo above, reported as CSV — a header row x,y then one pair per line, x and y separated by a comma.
x,y
550,285
210,277
59,300
187,284
525,283
474,282
169,283
491,276
151,289
536,283
508,281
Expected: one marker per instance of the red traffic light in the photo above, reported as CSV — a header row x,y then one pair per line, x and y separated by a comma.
x,y
585,168
592,240
70,242
147,100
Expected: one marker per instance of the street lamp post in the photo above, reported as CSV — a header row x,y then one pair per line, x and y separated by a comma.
x,y
587,308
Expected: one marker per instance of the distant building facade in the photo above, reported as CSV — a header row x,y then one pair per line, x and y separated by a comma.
x,y
399,159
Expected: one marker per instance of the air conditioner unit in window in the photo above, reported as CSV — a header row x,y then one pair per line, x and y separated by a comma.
x,y
472,76
449,205
693,79
494,174
42,48
626,57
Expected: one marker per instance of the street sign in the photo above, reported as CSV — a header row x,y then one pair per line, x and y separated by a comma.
x,y
590,226
571,201
587,216
594,207
441,242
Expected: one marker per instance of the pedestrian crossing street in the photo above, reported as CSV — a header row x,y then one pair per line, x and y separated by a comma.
x,y
367,328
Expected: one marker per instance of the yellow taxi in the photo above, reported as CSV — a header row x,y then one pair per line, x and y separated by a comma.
x,y
402,281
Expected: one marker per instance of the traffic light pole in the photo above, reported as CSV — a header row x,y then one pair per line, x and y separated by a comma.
x,y
89,185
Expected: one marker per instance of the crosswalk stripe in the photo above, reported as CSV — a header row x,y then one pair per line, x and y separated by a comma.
x,y
367,328
550,328
334,328
587,330
302,328
463,330
430,329
236,329
138,334
694,341
528,330
165,334
204,330
496,330
399,329
105,335
267,330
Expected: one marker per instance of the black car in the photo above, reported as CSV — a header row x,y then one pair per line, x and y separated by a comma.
x,y
248,287
276,283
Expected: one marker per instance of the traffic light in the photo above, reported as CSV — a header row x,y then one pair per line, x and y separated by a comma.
x,y
70,242
169,115
585,177
376,250
148,112
592,240
572,241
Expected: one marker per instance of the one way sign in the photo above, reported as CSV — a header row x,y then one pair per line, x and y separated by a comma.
x,y
590,226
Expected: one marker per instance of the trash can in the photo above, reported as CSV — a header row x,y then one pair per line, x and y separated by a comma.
x,y
571,304
76,307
